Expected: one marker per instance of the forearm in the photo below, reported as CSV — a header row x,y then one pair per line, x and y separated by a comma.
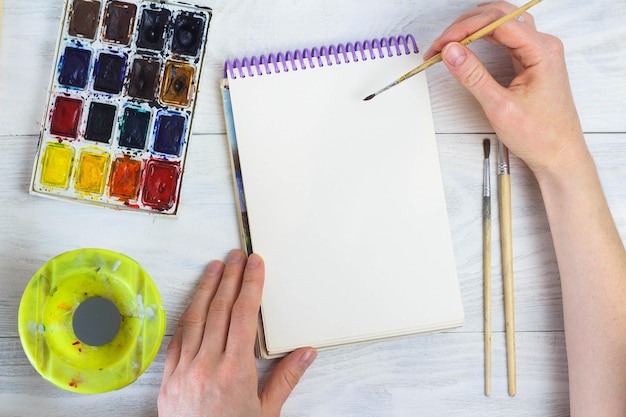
x,y
536,118
592,265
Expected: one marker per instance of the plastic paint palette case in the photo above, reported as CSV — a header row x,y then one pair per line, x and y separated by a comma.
x,y
91,320
122,96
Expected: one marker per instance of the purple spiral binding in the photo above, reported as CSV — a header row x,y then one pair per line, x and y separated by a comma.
x,y
325,55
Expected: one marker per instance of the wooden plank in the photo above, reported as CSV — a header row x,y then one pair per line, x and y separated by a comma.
x,y
592,34
35,229
432,374
419,375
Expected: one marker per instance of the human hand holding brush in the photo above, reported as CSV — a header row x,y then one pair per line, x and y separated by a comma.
x,y
536,118
534,115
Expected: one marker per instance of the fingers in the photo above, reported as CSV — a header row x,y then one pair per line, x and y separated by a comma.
x,y
189,332
219,310
469,71
495,10
223,313
192,323
243,324
470,22
226,294
284,378
173,352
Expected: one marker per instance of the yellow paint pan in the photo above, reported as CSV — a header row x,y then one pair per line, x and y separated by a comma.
x,y
91,321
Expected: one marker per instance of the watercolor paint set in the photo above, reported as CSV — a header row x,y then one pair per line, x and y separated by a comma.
x,y
122,96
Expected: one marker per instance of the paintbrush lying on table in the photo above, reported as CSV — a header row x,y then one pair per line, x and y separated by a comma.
x,y
487,263
506,242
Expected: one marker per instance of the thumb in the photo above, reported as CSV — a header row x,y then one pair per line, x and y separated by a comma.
x,y
469,71
284,379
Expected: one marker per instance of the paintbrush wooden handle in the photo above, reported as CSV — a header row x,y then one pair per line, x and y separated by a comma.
x,y
487,289
465,41
426,64
494,25
504,182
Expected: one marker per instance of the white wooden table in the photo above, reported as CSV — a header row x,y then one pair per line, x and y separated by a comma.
x,y
439,374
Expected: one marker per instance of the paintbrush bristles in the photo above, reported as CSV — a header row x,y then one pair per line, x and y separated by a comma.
x,y
432,61
486,148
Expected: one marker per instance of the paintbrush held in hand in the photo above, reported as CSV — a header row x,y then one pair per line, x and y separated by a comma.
x,y
471,38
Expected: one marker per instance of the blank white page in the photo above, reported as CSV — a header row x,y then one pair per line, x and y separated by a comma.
x,y
345,204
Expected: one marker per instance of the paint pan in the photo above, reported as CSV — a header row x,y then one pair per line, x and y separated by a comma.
x,y
123,90
84,19
119,20
153,29
100,122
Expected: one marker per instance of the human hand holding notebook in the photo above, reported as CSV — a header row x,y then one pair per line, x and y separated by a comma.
x,y
344,199
210,368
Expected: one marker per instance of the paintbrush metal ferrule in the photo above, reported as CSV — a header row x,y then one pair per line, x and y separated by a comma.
x,y
486,170
503,159
385,88
486,180
432,61
466,41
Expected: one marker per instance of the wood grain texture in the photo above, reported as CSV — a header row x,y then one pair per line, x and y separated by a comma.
x,y
434,373
592,33
440,374
416,376
1,19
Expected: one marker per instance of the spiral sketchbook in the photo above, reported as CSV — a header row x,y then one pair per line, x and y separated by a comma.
x,y
343,198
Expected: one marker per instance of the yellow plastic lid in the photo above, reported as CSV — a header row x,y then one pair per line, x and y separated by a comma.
x,y
48,321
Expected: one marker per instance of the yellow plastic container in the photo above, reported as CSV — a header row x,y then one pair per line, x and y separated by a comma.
x,y
47,321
